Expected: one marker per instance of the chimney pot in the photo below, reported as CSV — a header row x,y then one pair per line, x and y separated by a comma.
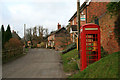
x,y
59,26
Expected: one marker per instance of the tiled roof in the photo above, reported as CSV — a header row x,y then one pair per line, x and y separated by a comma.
x,y
54,32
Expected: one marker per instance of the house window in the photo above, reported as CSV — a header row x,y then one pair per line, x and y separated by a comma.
x,y
97,21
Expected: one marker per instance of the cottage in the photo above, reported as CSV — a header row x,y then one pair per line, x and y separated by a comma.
x,y
59,39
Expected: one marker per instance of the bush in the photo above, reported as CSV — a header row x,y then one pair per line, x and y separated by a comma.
x,y
69,48
12,50
13,43
42,44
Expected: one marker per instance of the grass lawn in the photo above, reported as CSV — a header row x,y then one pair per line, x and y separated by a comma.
x,y
107,67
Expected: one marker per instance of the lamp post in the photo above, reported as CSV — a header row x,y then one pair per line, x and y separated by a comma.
x,y
78,26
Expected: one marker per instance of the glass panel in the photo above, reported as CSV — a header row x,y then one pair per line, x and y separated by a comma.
x,y
91,48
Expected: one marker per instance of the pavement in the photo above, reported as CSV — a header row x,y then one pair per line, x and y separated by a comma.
x,y
37,63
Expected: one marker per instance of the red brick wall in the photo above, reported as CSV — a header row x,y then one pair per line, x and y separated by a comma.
x,y
108,40
95,9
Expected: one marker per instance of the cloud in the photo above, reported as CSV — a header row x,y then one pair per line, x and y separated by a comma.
x,y
37,1
36,12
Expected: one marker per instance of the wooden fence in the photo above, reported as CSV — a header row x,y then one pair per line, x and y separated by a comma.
x,y
7,54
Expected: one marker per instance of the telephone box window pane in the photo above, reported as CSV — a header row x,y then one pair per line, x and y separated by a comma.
x,y
91,48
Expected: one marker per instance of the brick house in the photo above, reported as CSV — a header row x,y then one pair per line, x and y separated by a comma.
x,y
89,12
95,12
59,39
72,28
51,40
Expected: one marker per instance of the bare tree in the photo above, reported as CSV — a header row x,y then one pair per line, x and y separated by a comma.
x,y
35,31
28,34
46,32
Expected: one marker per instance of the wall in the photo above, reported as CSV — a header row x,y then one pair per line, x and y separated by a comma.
x,y
108,40
95,9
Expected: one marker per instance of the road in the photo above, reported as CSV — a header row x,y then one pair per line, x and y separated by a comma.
x,y
38,63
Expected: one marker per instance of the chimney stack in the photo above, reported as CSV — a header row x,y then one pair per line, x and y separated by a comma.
x,y
59,26
13,31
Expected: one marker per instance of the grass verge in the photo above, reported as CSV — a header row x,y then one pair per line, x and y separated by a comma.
x,y
107,67
70,61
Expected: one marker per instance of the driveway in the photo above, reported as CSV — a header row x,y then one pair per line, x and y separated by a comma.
x,y
38,63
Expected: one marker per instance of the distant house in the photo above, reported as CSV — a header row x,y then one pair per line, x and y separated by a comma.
x,y
29,43
51,40
59,39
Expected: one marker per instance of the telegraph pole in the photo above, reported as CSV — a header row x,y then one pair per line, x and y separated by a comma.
x,y
78,26
24,33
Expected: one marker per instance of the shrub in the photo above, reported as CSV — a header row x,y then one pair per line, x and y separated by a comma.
x,y
42,44
13,43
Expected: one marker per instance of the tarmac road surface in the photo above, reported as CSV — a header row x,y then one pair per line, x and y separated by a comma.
x,y
38,63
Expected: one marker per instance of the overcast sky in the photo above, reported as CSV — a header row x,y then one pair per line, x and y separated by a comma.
x,y
46,13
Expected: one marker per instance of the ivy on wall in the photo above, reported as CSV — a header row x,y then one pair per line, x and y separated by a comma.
x,y
114,9
117,29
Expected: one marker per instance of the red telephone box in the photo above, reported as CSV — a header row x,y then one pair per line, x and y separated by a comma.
x,y
89,45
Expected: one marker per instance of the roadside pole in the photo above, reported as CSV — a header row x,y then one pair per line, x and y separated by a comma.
x,y
78,26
